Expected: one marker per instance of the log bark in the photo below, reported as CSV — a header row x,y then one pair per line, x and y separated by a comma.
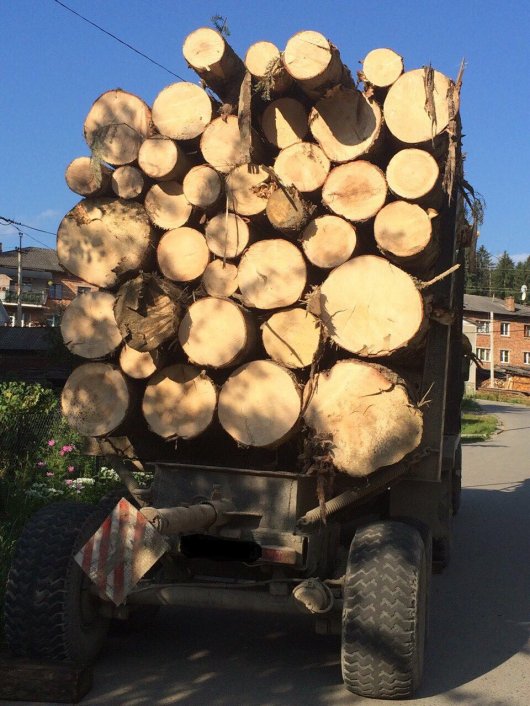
x,y
247,189
366,414
346,125
415,113
96,399
214,60
88,177
292,337
328,241
220,279
88,325
284,122
148,311
287,211
161,158
183,254
101,240
259,404
303,165
272,274
182,111
166,205
140,365
372,308
414,175
404,234
227,235
315,63
217,333
382,67
179,402
203,187
263,61
356,190
224,148
128,182
116,125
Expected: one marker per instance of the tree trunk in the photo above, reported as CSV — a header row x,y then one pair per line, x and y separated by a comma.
x,y
224,148
140,365
148,311
315,64
183,254
272,274
214,60
247,189
88,325
303,165
116,125
328,241
259,404
346,125
356,190
264,62
128,182
217,333
227,235
292,337
203,187
179,402
100,240
161,158
96,399
88,177
372,308
167,206
365,414
287,211
220,279
414,175
284,122
182,111
382,67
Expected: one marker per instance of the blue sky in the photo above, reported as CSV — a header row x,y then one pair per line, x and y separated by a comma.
x,y
53,65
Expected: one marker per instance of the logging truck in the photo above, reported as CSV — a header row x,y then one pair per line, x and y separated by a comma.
x,y
278,339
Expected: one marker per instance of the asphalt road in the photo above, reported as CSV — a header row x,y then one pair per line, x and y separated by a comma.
x,y
478,652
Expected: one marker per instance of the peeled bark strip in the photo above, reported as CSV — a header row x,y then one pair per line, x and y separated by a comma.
x,y
404,234
292,337
372,308
382,67
412,174
366,412
163,159
183,254
315,63
217,333
227,235
116,125
329,241
346,125
356,190
148,311
100,240
127,182
166,205
264,62
182,111
272,274
220,279
203,187
416,112
247,189
214,60
259,404
303,165
223,146
179,402
88,325
287,211
95,400
284,122
139,365
88,177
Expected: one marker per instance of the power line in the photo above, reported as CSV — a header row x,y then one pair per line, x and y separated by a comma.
x,y
11,222
129,46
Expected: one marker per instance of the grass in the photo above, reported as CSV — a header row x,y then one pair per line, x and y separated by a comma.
x,y
478,425
502,397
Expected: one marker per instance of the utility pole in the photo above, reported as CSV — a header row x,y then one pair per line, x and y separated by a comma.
x,y
19,281
492,353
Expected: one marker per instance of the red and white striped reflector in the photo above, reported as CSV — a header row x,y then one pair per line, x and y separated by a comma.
x,y
121,551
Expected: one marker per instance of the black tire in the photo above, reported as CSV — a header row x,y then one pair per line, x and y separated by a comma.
x,y
50,611
385,611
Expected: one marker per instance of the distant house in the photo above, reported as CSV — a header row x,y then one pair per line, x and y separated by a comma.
x,y
46,288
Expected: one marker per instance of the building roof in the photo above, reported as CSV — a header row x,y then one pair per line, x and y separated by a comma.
x,y
484,305
32,259
16,339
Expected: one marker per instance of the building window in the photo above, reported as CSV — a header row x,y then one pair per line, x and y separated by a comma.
x,y
83,290
505,329
526,357
505,356
527,330
53,320
483,354
483,327
56,291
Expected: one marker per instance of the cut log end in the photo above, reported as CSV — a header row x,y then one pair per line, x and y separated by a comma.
x,y
382,67
166,205
287,211
412,174
247,189
88,177
227,235
202,186
284,122
292,337
182,111
183,254
220,279
356,190
403,231
139,365
303,165
314,63
163,159
329,241
263,60
88,325
223,146
127,182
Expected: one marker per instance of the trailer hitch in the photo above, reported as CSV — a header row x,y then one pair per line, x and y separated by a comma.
x,y
192,518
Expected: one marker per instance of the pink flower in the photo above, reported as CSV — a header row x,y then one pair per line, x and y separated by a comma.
x,y
49,474
51,442
66,449
68,481
40,464
62,452
71,469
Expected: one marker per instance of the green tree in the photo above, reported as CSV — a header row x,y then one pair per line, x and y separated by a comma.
x,y
522,276
503,276
478,272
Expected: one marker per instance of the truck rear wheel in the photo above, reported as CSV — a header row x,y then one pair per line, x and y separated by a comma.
x,y
384,614
50,611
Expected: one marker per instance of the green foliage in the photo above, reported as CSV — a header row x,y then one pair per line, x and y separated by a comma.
x,y
483,425
503,276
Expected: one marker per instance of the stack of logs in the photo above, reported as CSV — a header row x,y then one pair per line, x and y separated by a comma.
x,y
261,242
